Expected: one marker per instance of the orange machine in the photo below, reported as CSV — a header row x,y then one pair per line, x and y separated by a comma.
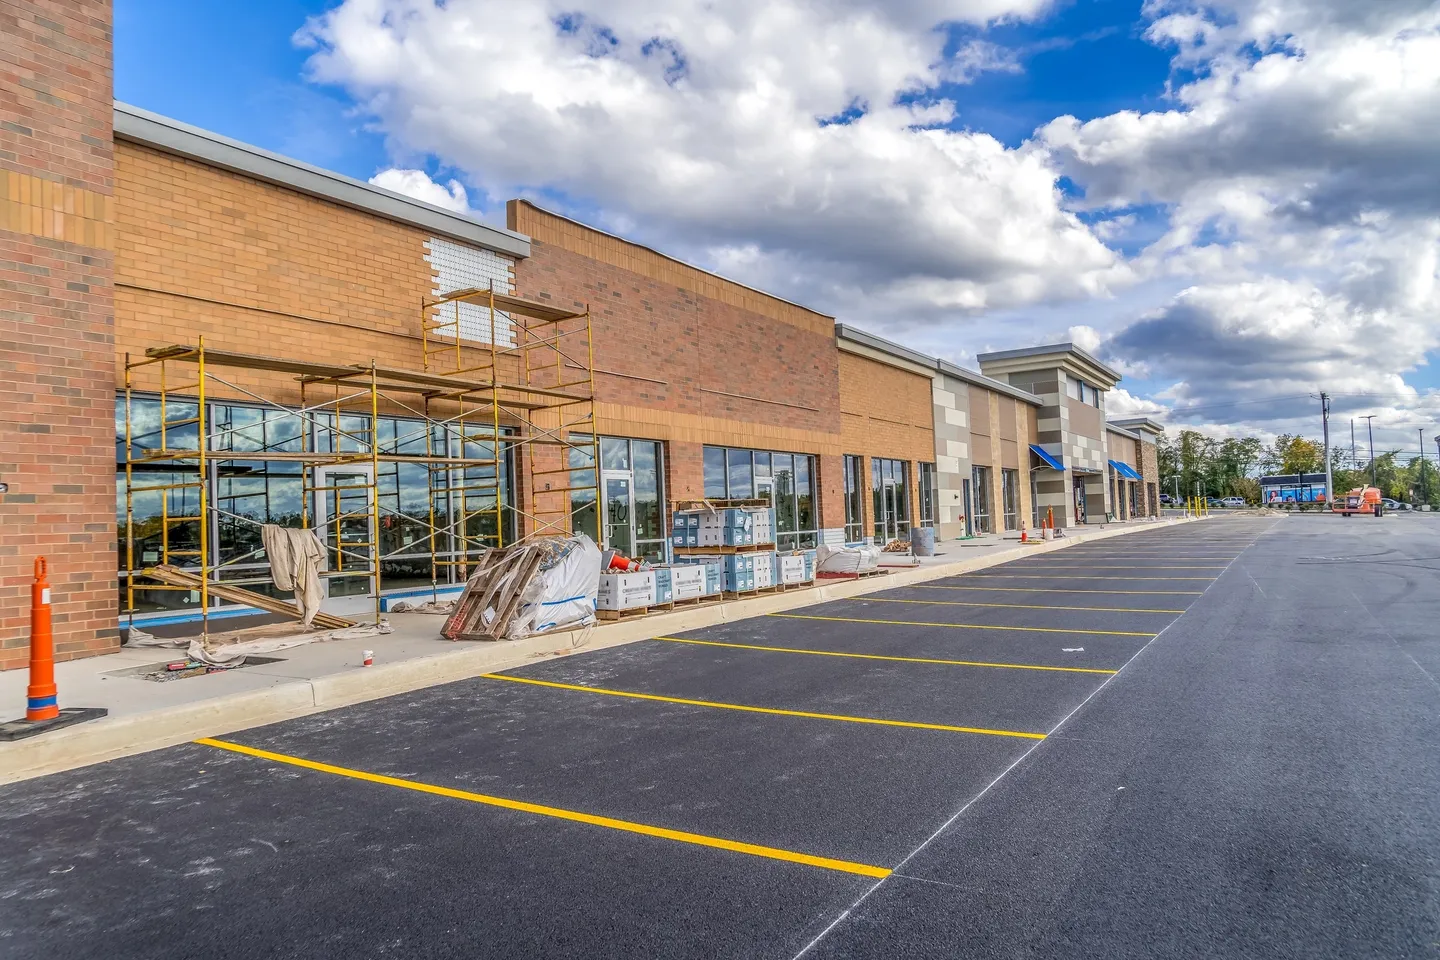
x,y
1360,500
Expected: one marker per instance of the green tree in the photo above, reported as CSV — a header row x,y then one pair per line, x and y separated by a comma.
x,y
1294,454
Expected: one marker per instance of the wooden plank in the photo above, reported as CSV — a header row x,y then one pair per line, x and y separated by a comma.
x,y
180,578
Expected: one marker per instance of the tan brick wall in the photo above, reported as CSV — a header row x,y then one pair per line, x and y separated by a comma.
x,y
689,358
886,412
257,268
56,323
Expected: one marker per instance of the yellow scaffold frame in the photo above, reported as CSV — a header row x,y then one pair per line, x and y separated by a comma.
x,y
507,401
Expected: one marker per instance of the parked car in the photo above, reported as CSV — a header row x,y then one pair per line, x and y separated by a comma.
x,y
1166,498
1394,504
1233,502
1214,502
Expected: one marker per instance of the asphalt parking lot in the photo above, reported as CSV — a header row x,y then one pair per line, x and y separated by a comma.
x,y
931,771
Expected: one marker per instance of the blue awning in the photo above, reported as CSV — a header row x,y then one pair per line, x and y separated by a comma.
x,y
1051,461
1125,470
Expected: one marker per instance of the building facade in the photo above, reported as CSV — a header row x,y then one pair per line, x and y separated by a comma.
x,y
1071,437
57,322
124,233
1147,435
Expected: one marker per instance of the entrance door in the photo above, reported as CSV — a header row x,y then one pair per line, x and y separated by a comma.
x,y
965,500
887,524
1079,500
618,495
345,523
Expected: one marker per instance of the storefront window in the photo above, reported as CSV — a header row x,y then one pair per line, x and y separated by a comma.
x,y
632,478
1010,497
854,510
980,492
247,494
790,479
927,494
890,491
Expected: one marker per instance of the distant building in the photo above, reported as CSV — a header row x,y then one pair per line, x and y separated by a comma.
x,y
1293,488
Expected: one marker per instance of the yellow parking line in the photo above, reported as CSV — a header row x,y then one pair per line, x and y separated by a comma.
x,y
754,850
960,626
1108,593
1007,606
876,656
1037,576
768,710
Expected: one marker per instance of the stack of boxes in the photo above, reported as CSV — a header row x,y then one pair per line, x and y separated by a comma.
x,y
626,591
797,567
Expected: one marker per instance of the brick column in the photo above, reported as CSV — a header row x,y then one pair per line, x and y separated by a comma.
x,y
57,351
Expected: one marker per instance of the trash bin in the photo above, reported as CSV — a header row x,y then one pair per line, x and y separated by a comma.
x,y
922,541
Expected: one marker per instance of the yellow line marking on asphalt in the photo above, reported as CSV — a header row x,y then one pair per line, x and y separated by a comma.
x,y
1041,576
1108,593
876,656
681,836
1006,606
960,626
746,708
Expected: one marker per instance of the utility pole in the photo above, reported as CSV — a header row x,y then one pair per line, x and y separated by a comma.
x,y
1353,461
1325,424
1424,493
1370,429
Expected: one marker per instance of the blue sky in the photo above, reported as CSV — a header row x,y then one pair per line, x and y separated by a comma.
x,y
245,78
1266,235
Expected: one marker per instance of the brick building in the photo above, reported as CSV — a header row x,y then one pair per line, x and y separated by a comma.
x,y
122,231
57,328
1147,435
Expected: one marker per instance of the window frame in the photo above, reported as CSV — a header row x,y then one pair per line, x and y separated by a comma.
x,y
980,506
797,538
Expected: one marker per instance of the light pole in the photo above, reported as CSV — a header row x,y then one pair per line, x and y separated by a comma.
x,y
1370,429
1424,493
1325,425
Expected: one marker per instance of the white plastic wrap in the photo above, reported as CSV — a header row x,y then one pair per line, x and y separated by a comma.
x,y
847,560
562,595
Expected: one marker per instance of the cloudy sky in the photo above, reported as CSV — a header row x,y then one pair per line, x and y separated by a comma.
x,y
1235,202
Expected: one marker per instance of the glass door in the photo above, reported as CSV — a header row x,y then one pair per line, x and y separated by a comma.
x,y
345,523
765,489
619,496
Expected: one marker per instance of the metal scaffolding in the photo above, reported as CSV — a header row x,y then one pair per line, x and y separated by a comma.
x,y
528,391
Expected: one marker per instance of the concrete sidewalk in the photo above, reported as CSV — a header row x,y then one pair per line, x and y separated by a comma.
x,y
147,715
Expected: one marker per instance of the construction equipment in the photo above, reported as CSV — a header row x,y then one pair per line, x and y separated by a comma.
x,y
1360,500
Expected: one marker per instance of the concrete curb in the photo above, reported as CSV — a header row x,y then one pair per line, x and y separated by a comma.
x,y
115,737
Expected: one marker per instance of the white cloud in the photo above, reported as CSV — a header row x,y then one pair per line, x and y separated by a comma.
x,y
1297,171
418,185
799,145
710,125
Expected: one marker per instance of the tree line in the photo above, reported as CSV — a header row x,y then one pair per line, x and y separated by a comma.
x,y
1192,462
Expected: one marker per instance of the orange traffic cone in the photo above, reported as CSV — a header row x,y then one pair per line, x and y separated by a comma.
x,y
41,698
42,701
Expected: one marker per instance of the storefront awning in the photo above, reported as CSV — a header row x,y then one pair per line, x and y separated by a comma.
x,y
1125,470
1051,461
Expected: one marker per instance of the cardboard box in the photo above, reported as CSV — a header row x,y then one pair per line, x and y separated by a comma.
x,y
626,591
797,567
714,568
765,569
688,581
663,582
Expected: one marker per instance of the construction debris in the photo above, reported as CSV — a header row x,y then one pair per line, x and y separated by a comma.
x,y
176,577
442,607
230,648
532,587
